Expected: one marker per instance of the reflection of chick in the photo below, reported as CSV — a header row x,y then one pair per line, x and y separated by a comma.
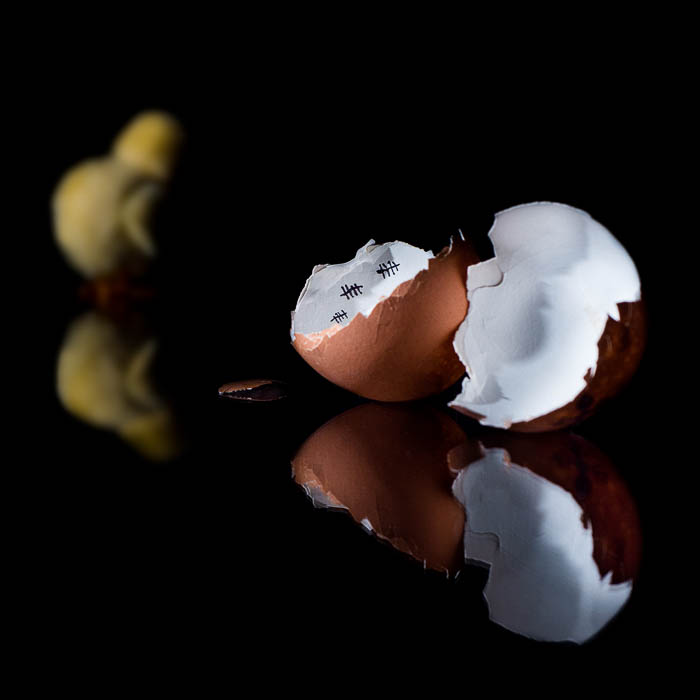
x,y
103,378
102,206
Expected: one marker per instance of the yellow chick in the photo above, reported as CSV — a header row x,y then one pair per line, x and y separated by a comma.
x,y
102,207
150,143
101,214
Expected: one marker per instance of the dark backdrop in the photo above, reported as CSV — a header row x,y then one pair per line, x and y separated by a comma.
x,y
283,170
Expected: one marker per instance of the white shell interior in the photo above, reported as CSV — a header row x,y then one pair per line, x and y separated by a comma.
x,y
334,294
537,311
320,498
543,582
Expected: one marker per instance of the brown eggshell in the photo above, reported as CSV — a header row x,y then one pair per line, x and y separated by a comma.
x,y
403,349
620,351
585,472
387,465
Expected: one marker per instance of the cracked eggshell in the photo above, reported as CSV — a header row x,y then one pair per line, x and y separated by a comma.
x,y
556,323
400,348
387,465
581,469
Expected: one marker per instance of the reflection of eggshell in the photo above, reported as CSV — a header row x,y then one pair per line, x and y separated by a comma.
x,y
558,529
387,465
402,349
580,468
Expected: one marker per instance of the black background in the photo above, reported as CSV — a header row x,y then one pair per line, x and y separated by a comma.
x,y
219,554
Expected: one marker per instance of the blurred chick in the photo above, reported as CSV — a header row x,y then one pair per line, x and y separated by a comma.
x,y
150,144
103,377
102,207
101,217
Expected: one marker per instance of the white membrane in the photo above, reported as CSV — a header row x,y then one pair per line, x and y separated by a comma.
x,y
543,582
320,498
537,311
330,297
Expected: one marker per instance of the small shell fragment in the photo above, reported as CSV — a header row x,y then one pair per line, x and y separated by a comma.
x,y
254,390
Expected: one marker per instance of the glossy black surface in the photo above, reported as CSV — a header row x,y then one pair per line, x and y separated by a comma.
x,y
220,543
